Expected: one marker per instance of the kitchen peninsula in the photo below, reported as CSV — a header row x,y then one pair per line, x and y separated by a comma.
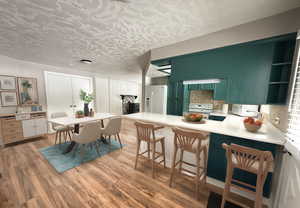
x,y
231,130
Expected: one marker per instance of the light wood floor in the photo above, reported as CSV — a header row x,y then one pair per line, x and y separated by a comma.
x,y
28,180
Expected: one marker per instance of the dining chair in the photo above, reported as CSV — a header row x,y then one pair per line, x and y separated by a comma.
x,y
87,137
190,141
146,133
112,128
61,131
251,160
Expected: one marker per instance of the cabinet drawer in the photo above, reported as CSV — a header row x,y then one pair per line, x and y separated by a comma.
x,y
11,124
12,131
13,137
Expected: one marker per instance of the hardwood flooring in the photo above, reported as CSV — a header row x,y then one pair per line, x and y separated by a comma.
x,y
28,180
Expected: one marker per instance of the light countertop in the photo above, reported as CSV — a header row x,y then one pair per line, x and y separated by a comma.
x,y
14,114
231,126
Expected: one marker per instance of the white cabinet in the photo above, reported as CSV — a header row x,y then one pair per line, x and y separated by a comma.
x,y
34,127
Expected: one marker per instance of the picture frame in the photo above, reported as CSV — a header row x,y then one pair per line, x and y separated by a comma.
x,y
28,94
8,82
9,99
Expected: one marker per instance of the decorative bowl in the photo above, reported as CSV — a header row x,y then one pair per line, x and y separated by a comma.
x,y
193,117
252,125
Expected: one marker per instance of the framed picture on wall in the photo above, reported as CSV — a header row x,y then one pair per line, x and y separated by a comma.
x,y
7,82
9,99
28,94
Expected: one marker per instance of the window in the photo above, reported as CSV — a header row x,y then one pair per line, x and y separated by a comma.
x,y
293,132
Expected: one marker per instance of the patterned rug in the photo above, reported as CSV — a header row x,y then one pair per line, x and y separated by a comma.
x,y
63,162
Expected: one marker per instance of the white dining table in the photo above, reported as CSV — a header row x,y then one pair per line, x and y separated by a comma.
x,y
72,120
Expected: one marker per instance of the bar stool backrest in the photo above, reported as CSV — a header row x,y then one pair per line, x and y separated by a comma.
x,y
186,139
248,159
145,131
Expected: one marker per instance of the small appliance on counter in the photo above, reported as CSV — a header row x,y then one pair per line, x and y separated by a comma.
x,y
245,110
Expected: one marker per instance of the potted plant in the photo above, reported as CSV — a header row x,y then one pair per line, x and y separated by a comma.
x,y
86,98
79,114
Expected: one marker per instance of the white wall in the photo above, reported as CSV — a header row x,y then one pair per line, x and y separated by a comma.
x,y
14,67
284,23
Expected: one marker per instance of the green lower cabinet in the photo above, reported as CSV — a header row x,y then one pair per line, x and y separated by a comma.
x,y
217,162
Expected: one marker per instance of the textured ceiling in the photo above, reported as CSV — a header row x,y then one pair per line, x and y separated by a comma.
x,y
112,33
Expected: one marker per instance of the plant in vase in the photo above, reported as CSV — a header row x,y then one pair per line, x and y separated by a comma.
x,y
79,114
86,98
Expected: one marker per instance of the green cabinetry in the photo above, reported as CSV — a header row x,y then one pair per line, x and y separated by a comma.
x,y
256,72
220,91
280,72
175,98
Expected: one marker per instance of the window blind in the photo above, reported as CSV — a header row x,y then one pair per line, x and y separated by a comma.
x,y
293,132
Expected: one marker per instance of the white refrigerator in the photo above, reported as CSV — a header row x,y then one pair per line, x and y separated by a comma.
x,y
156,99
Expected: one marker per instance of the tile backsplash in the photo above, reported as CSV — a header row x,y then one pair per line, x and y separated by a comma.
x,y
205,96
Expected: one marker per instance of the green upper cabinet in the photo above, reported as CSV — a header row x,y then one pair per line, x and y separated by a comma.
x,y
220,91
175,98
244,68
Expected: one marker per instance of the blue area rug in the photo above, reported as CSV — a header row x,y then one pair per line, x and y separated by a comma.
x,y
63,162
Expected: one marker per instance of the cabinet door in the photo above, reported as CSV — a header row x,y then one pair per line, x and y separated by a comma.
x,y
40,126
59,93
220,91
28,128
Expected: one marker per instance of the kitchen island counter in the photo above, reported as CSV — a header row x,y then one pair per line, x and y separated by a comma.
x,y
231,126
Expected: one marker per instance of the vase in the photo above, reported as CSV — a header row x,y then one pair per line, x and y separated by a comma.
x,y
86,109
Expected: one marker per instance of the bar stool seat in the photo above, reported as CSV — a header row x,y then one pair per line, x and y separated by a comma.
x,y
190,141
146,133
251,160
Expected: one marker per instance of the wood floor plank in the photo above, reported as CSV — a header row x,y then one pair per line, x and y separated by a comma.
x,y
109,181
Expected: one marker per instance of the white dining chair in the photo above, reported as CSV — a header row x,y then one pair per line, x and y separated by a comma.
x,y
112,128
87,137
61,131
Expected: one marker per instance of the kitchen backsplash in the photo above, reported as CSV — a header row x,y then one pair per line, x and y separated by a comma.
x,y
205,96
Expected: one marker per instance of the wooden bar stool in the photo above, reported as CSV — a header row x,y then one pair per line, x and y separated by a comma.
x,y
146,133
251,160
190,141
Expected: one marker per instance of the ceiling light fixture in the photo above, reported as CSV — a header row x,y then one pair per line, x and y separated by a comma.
x,y
85,61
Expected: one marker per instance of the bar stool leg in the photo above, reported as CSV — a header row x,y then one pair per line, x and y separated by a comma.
x,y
197,178
163,151
149,150
137,153
173,165
227,186
153,159
259,190
181,160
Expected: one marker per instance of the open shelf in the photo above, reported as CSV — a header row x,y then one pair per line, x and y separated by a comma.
x,y
271,83
280,72
282,64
